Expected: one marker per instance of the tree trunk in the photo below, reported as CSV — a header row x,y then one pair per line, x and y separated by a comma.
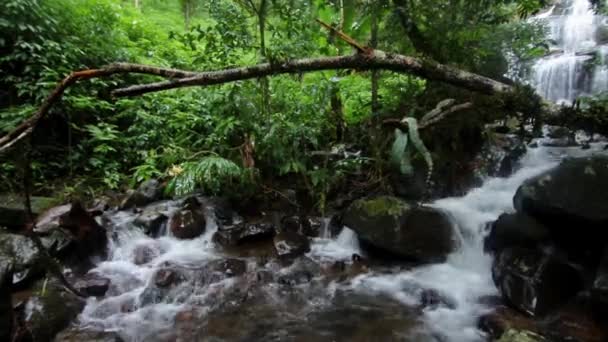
x,y
374,60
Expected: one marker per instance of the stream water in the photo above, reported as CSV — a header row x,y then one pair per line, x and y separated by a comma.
x,y
382,303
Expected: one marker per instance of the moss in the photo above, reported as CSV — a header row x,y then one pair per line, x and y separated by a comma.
x,y
520,336
384,205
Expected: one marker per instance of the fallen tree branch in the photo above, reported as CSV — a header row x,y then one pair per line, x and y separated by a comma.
x,y
27,126
375,60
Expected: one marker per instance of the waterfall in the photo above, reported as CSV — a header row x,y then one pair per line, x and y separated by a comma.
x,y
577,65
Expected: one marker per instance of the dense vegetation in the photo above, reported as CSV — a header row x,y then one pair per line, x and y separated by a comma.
x,y
244,137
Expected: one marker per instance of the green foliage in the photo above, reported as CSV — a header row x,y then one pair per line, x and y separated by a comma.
x,y
210,174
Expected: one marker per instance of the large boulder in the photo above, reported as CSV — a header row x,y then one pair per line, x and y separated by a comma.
x,y
241,232
188,222
515,229
290,245
414,232
534,282
13,213
27,262
50,311
89,237
570,199
6,306
148,192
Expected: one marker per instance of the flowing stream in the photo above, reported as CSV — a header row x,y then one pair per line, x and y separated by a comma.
x,y
325,308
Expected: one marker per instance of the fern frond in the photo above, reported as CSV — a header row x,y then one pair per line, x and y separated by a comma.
x,y
209,173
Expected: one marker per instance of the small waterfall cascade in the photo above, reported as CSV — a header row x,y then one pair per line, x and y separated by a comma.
x,y
576,65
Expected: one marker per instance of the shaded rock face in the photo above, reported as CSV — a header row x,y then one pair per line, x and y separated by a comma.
x,y
153,218
188,222
6,306
573,195
290,245
47,314
89,236
391,225
13,213
534,282
308,226
93,285
515,230
27,262
240,233
500,155
80,335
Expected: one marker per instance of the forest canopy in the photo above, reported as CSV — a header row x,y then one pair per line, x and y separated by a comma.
x,y
240,136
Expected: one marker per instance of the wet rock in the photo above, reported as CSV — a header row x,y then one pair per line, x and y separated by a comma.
x,y
308,226
221,269
58,243
89,237
78,335
50,312
290,245
515,229
520,336
13,213
27,262
599,288
6,306
559,132
188,222
433,299
143,254
93,285
241,233
391,225
49,220
301,272
166,277
571,200
500,155
533,282
147,192
153,218
503,319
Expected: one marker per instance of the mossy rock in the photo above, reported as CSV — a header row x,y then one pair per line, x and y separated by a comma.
x,y
407,231
520,336
51,310
12,209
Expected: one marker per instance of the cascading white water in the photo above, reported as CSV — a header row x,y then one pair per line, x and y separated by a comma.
x,y
569,71
466,276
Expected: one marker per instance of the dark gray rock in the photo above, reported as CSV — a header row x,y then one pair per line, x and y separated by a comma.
x,y
12,210
511,230
6,306
534,282
433,299
75,334
413,232
239,233
290,245
147,192
188,222
93,285
144,254
153,217
50,312
571,200
27,262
